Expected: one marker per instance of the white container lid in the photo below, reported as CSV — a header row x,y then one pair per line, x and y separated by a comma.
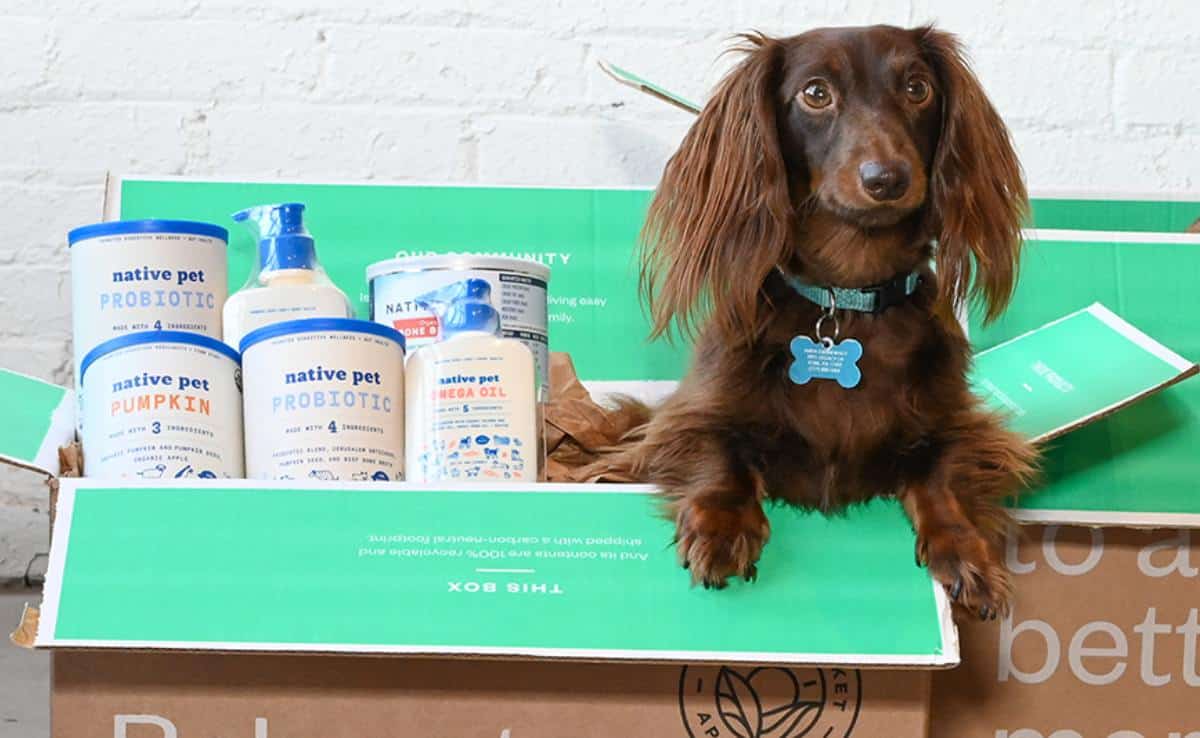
x,y
320,325
435,262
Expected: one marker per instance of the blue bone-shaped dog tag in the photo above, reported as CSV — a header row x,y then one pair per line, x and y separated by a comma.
x,y
826,360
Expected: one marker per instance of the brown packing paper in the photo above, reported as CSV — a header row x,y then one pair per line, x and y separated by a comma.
x,y
1102,642
289,696
70,460
26,632
577,427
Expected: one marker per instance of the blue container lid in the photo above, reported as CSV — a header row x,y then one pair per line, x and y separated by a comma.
x,y
283,241
120,227
142,337
316,325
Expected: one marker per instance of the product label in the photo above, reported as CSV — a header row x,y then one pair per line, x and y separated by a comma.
x,y
146,281
329,396
148,391
520,299
147,287
163,411
325,406
472,419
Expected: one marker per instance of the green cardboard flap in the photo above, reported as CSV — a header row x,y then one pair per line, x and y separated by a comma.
x,y
1073,371
628,78
1138,466
558,572
39,418
1158,212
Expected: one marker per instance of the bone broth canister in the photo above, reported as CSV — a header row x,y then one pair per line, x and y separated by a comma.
x,y
403,291
162,405
324,400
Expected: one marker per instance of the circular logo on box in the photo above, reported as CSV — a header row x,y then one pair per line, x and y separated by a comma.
x,y
769,702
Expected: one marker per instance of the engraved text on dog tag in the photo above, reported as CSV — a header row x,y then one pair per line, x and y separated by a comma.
x,y
827,359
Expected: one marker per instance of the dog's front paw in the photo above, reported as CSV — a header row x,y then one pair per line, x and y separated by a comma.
x,y
717,543
970,569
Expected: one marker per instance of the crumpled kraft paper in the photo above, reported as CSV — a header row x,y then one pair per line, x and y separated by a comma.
x,y
577,427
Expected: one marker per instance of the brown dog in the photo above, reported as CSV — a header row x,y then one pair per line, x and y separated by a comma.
x,y
833,161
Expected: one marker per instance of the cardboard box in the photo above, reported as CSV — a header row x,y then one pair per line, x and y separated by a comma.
x,y
229,611
342,661
255,672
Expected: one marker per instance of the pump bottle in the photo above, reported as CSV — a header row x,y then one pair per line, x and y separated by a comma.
x,y
471,405
287,282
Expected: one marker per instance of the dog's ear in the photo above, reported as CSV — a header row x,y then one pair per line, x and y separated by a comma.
x,y
977,195
721,219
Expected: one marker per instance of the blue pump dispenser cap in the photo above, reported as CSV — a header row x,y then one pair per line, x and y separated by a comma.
x,y
463,306
283,242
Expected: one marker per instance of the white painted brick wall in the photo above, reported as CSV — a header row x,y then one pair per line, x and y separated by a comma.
x,y
1099,95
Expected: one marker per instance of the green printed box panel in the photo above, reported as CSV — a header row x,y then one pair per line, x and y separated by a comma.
x,y
1142,459
1115,213
476,569
585,236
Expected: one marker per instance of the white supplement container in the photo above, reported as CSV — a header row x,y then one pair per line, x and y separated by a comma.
x,y
472,410
162,405
143,275
518,290
324,400
288,282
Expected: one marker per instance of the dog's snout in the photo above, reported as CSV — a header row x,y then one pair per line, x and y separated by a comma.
x,y
885,181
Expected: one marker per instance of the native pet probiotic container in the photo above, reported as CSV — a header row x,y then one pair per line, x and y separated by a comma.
x,y
324,400
162,405
141,275
401,290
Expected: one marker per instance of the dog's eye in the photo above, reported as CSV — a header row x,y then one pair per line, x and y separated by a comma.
x,y
917,90
817,94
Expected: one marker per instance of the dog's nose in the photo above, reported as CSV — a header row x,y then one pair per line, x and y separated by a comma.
x,y
884,181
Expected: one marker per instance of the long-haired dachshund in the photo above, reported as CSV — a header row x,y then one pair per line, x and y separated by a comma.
x,y
844,189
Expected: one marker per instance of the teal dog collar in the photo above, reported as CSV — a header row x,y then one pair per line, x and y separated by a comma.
x,y
874,299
